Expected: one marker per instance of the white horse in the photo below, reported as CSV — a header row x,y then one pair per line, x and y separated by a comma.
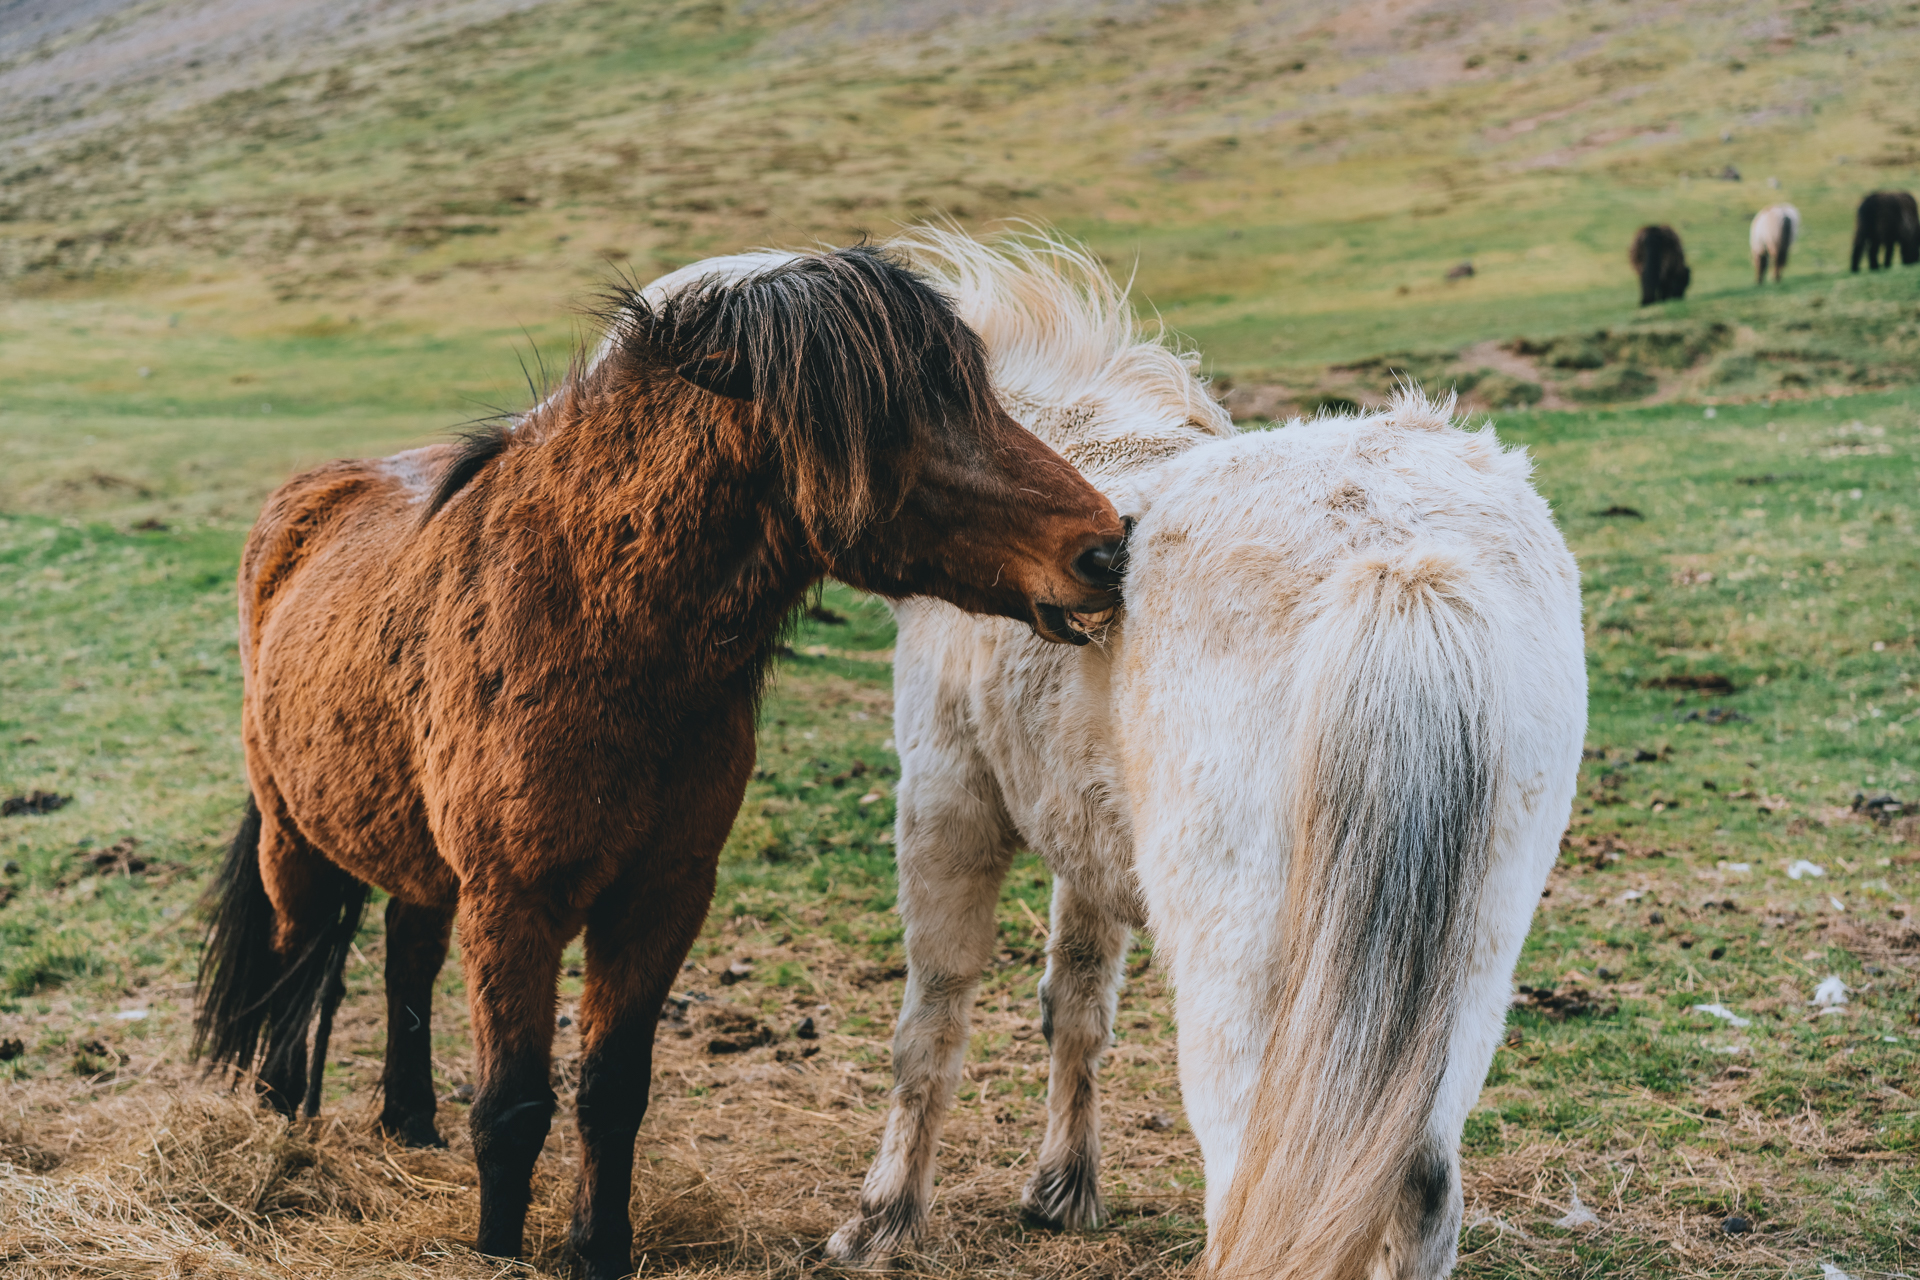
x,y
1774,230
1325,757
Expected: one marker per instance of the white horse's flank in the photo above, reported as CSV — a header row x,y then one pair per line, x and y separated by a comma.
x,y
1325,756
1774,230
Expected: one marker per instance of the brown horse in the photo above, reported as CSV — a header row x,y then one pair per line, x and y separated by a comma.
x,y
513,682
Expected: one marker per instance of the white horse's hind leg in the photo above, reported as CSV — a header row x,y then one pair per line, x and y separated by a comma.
x,y
955,846
1086,953
1424,1234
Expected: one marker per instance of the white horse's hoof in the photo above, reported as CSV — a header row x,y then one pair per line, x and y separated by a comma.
x,y
870,1241
1066,1198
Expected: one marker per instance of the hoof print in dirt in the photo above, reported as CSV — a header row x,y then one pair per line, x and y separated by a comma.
x,y
736,1031
874,974
1561,1003
118,859
11,1048
96,1059
33,802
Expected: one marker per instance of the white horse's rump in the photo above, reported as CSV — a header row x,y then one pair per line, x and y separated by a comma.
x,y
1350,666
1772,234
1351,697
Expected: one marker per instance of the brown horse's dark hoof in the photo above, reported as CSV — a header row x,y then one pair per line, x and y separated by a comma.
x,y
602,1264
412,1130
599,1269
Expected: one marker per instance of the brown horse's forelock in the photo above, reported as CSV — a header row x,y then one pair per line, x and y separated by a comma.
x,y
846,355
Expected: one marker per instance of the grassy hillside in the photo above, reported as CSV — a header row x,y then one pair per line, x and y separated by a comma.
x,y
1291,182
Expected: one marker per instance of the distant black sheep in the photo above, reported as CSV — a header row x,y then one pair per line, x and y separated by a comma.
x,y
1662,264
1886,219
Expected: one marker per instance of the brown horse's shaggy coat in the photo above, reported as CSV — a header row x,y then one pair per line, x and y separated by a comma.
x,y
512,681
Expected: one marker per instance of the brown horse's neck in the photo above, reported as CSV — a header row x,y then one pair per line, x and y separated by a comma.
x,y
662,527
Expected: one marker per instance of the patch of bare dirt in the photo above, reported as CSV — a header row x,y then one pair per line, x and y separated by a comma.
x,y
1499,356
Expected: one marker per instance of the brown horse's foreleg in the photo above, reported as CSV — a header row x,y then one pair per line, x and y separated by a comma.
x,y
511,940
1085,953
637,936
416,948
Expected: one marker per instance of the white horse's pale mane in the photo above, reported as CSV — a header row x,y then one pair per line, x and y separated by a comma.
x,y
1065,350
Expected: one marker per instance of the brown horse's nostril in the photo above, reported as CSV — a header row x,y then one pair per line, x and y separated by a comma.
x,y
1101,565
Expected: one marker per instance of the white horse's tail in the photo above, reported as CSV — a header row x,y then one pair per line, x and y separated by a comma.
x,y
1391,813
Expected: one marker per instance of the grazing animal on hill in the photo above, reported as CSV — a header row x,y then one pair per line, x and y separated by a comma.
x,y
1774,230
1324,754
513,682
1660,262
1886,220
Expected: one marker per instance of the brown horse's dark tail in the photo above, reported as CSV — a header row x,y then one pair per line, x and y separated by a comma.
x,y
249,993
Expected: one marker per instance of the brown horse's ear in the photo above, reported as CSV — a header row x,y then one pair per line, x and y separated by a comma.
x,y
722,372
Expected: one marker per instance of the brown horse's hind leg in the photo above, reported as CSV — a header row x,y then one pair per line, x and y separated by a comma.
x,y
416,948
637,936
511,941
316,909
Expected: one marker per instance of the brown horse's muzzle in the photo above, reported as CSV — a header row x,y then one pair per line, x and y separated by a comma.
x,y
1079,614
1003,526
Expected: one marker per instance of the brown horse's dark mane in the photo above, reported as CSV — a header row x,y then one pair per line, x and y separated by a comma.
x,y
478,446
842,356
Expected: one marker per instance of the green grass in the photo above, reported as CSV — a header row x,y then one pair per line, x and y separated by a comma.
x,y
121,688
